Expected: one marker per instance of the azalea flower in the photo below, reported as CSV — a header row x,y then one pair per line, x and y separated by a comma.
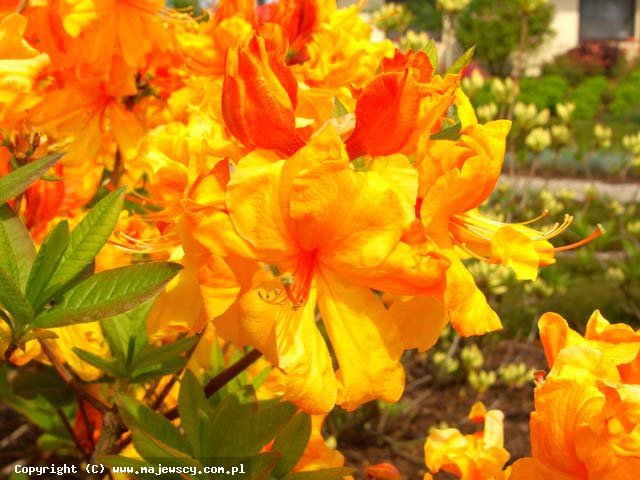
x,y
259,95
478,456
20,67
291,213
587,415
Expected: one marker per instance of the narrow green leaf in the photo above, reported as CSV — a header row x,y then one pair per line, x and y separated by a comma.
x,y
21,178
108,293
431,49
13,301
126,333
151,447
195,412
151,356
106,366
46,262
448,133
263,464
159,370
326,474
16,247
339,108
139,416
462,62
86,240
291,442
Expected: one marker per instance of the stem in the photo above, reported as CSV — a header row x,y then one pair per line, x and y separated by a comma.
x,y
172,381
71,381
224,377
72,434
215,384
85,418
111,428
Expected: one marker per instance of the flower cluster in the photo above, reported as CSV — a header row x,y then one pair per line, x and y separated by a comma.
x,y
320,190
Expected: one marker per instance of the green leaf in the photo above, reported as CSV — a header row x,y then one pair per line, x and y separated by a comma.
x,y
86,240
46,262
21,178
339,108
155,356
107,366
139,416
448,133
108,293
42,381
12,299
16,247
151,447
431,49
326,474
126,334
263,464
195,412
291,442
19,476
462,62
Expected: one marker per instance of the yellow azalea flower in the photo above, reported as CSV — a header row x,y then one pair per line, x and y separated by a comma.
x,y
341,52
586,419
456,177
20,66
292,215
479,456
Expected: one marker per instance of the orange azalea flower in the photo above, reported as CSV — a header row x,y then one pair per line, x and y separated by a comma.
x,y
90,117
619,342
259,95
587,418
292,215
455,178
20,66
479,456
300,19
340,52
127,29
382,471
401,103
318,455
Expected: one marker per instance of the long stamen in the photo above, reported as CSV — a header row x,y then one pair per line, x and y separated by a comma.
x,y
599,231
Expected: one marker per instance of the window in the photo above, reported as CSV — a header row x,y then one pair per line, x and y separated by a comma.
x,y
607,19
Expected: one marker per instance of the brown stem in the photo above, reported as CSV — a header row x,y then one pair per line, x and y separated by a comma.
x,y
72,434
111,428
70,380
172,381
215,384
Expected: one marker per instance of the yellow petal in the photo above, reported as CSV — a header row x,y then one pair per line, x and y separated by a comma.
x,y
365,339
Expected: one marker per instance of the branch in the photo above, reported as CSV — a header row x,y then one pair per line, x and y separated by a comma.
x,y
70,380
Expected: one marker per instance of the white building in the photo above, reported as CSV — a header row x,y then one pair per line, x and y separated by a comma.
x,y
576,21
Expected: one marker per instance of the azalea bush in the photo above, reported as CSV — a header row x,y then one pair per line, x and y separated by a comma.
x,y
221,230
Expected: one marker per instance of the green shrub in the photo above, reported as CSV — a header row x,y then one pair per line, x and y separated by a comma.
x,y
543,92
425,16
589,97
493,26
626,98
